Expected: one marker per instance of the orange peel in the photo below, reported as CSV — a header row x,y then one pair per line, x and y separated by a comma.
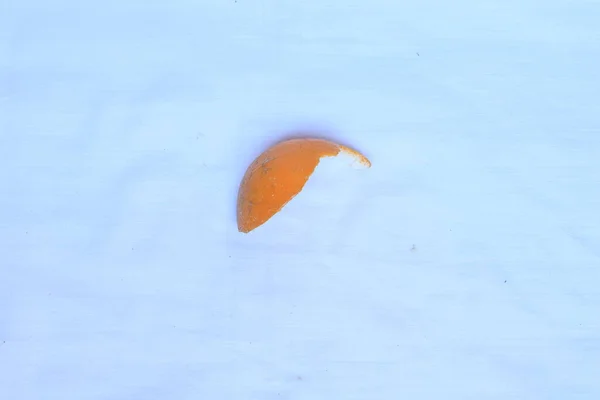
x,y
277,175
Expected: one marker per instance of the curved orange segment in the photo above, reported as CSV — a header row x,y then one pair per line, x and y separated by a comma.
x,y
279,174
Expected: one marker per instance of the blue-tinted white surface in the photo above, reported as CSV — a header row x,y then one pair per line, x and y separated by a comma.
x,y
465,264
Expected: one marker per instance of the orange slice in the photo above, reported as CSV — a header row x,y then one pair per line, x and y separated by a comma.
x,y
279,174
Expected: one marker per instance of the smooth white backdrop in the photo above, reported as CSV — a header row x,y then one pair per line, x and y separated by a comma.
x,y
465,264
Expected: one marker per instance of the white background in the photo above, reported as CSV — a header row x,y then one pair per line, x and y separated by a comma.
x,y
465,264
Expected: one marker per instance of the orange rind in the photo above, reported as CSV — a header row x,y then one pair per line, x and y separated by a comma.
x,y
279,174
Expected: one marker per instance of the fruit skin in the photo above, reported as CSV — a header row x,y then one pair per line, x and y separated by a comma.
x,y
278,175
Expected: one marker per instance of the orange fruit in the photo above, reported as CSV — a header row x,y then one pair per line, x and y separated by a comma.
x,y
279,174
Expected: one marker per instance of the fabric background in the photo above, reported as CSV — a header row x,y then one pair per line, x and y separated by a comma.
x,y
465,264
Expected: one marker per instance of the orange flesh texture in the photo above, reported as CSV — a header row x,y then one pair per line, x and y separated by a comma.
x,y
276,176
